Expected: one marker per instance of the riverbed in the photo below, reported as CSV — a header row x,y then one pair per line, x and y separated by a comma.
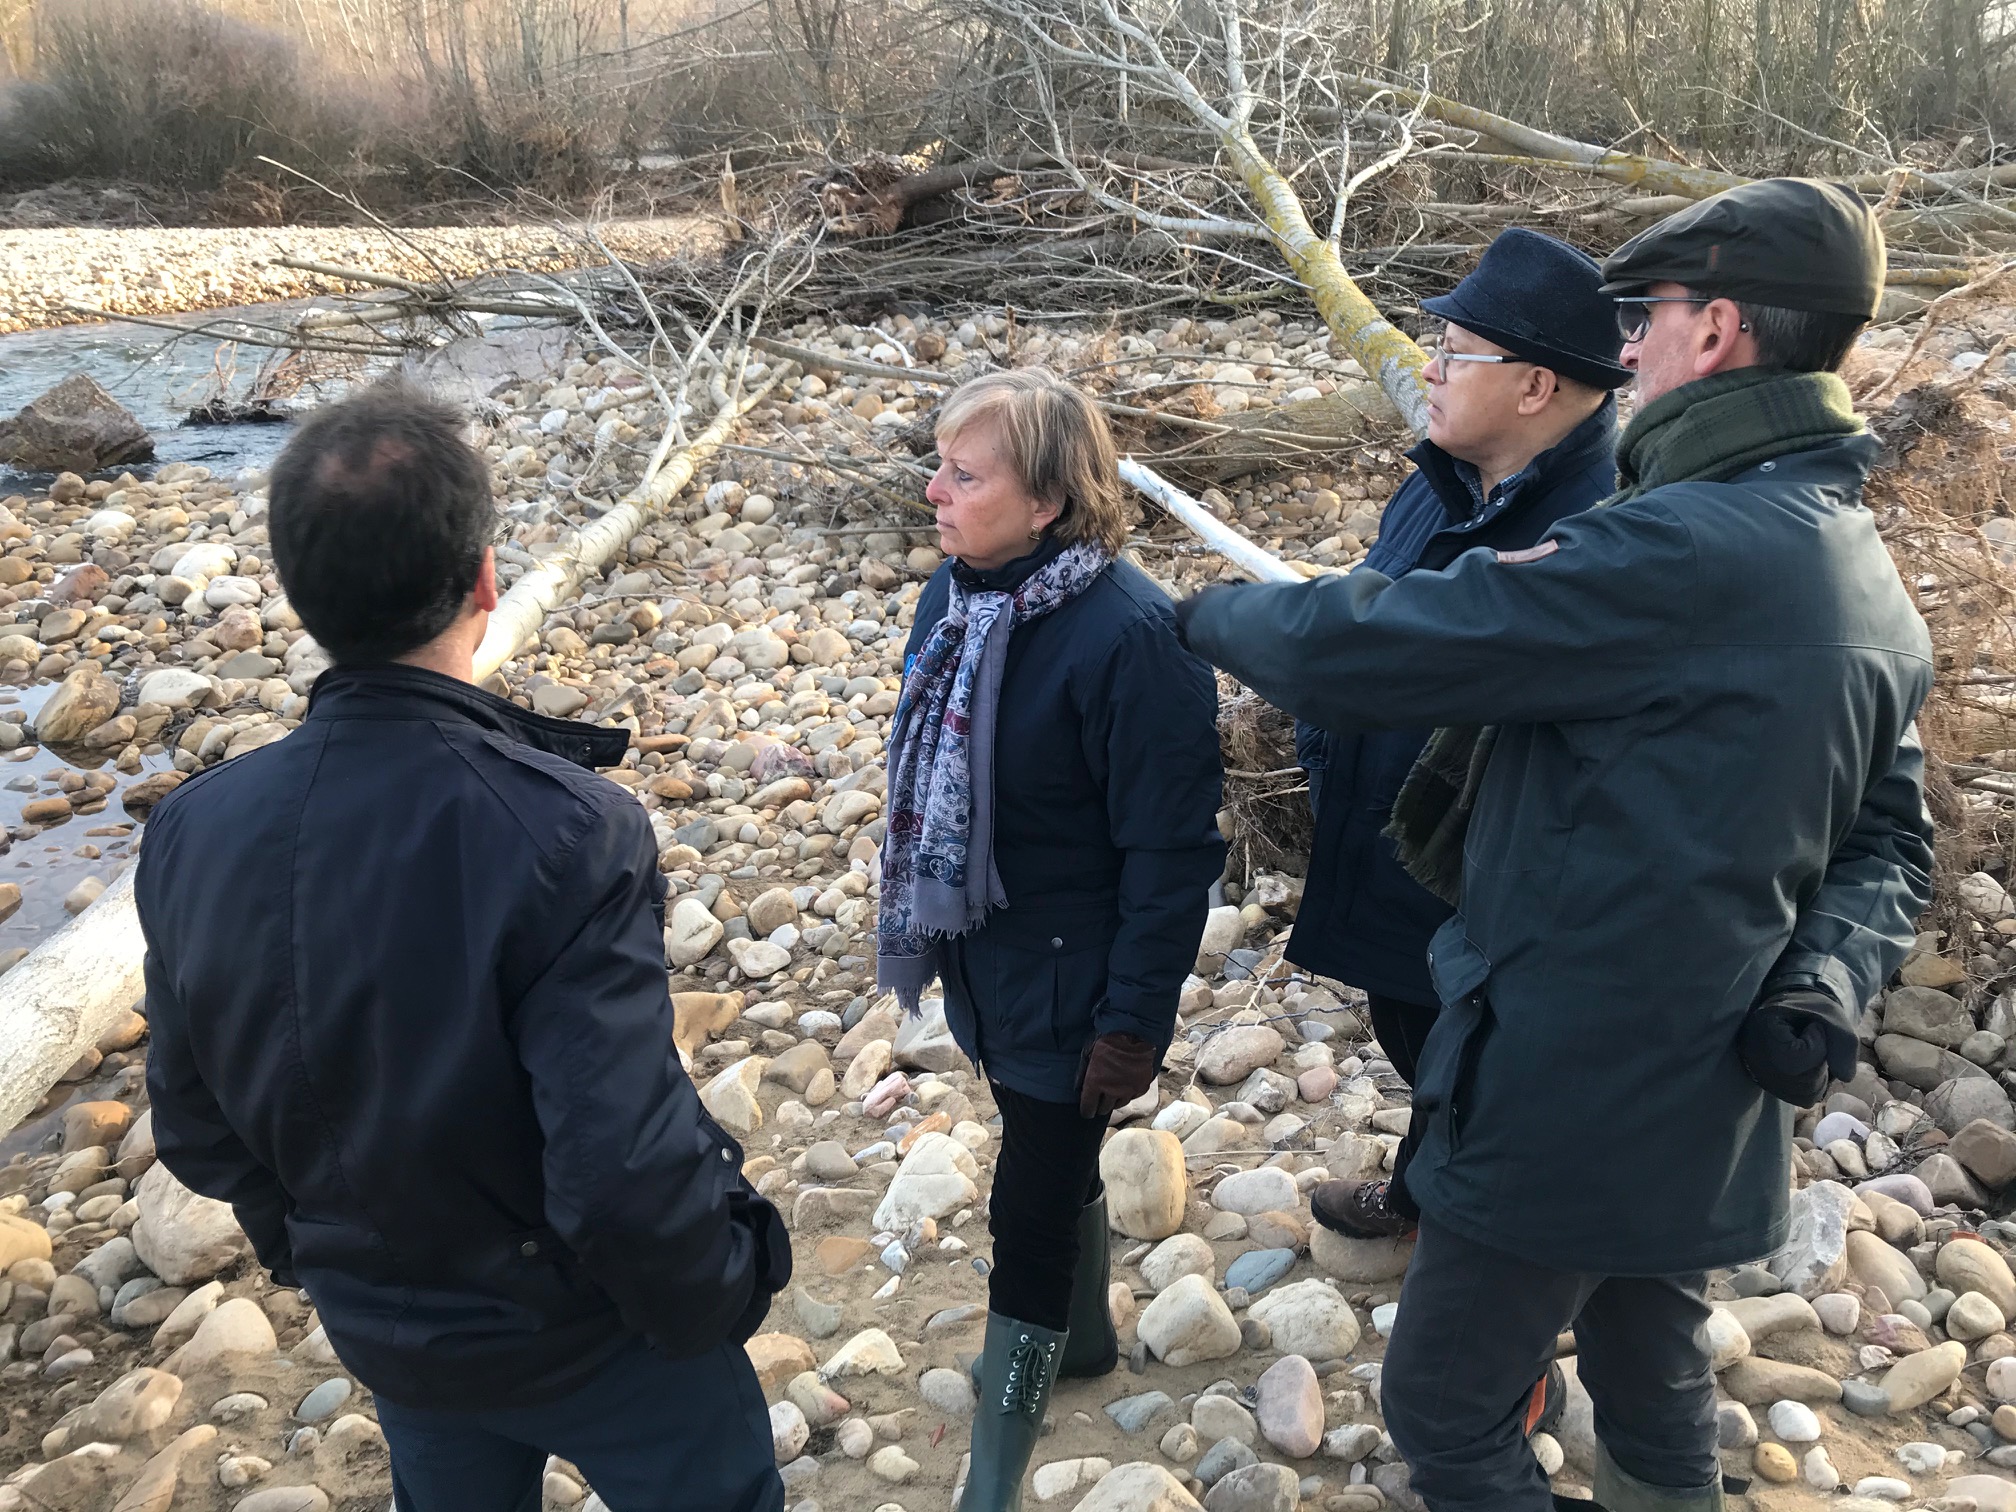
x,y
155,374
52,276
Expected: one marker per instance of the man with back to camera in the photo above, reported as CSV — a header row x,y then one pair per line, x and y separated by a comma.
x,y
1522,431
1677,753
407,993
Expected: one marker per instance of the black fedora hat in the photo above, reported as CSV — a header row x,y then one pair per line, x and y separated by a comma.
x,y
1541,300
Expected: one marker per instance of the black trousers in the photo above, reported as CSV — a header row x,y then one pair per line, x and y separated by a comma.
x,y
1402,1028
650,1434
1048,1171
1476,1328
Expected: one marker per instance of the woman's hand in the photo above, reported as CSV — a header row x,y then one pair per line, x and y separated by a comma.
x,y
1118,1069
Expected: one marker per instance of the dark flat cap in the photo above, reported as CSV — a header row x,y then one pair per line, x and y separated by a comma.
x,y
1542,300
1798,244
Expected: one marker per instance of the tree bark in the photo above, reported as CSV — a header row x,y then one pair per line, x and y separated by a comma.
x,y
1655,175
1386,353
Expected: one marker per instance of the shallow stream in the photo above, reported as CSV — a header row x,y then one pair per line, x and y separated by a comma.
x,y
158,378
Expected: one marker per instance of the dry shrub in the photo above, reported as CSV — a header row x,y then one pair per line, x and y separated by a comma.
x,y
1939,501
171,93
1266,792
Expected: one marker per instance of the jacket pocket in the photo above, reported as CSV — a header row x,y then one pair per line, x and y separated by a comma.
x,y
1044,998
535,1269
771,1261
1446,1075
1037,978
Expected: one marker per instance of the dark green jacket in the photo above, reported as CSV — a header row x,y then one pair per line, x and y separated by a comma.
x,y
1707,786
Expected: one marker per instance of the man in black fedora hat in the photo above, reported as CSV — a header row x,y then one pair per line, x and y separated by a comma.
x,y
1676,783
1522,431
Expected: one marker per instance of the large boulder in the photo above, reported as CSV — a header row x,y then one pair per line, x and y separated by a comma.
x,y
924,1042
1927,1014
936,1179
180,1236
1920,1064
1815,1256
1969,1265
1955,1104
1140,1487
1188,1323
1986,1151
237,1328
1309,1318
84,701
22,1239
75,427
1362,1262
136,1403
1146,1182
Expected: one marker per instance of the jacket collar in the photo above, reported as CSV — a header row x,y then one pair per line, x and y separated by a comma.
x,y
393,690
1592,441
1012,575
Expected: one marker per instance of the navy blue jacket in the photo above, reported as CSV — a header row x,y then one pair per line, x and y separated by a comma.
x,y
1363,920
1106,795
407,991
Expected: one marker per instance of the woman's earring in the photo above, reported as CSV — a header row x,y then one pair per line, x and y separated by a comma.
x,y
1035,535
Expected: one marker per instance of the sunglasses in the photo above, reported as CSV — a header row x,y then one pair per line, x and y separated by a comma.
x,y
1634,311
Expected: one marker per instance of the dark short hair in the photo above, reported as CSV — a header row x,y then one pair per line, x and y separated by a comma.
x,y
380,513
1801,341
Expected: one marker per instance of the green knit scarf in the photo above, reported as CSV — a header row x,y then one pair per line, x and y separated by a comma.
x,y
1702,432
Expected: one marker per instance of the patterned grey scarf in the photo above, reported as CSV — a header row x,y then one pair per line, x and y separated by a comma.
x,y
938,876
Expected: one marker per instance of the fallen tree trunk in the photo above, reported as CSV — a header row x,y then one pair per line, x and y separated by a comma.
x,y
1381,348
559,576
1255,561
67,992
1654,174
1546,149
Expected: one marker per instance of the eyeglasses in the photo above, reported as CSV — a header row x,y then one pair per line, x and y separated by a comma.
x,y
1443,357
1634,311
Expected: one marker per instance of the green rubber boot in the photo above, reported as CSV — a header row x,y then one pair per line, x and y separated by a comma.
x,y
1094,1347
1620,1491
1016,1368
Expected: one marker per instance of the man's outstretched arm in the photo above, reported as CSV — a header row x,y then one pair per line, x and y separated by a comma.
x,y
1584,630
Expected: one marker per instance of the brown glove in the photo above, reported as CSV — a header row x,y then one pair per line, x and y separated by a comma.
x,y
1118,1069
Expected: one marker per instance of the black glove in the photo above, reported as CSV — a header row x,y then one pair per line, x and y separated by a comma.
x,y
1792,1041
1186,607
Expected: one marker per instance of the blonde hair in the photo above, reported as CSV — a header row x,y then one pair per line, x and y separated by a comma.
x,y
1058,443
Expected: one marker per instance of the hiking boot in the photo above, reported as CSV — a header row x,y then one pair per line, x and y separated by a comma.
x,y
1017,1365
1360,1210
1094,1346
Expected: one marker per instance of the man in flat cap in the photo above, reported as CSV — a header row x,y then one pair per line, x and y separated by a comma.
x,y
1676,756
1522,432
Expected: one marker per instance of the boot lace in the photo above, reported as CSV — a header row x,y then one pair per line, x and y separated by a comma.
x,y
1028,1375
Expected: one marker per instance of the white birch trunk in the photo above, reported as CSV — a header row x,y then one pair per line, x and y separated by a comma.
x,y
1255,561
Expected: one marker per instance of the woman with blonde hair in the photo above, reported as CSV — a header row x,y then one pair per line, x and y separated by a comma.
x,y
1052,839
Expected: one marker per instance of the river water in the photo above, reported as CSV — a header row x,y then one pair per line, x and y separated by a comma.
x,y
158,377
155,374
